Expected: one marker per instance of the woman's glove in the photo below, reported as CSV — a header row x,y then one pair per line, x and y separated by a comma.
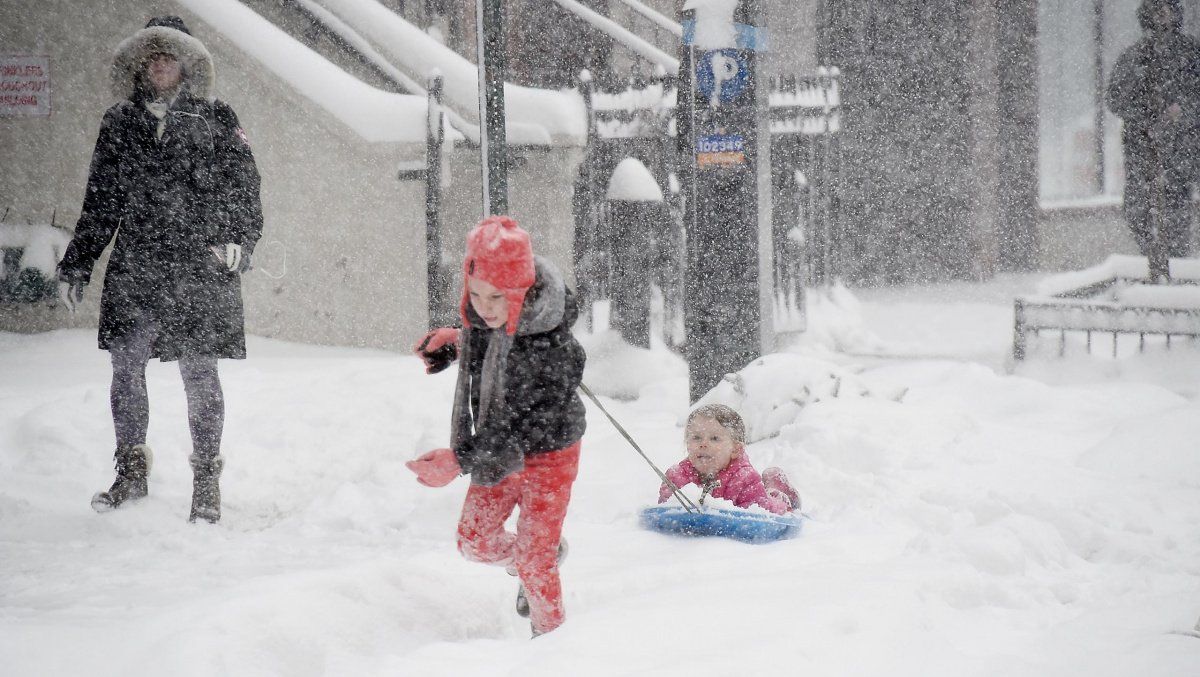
x,y
435,468
70,289
70,294
232,257
439,348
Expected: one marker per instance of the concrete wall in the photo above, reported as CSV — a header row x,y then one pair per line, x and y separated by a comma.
x,y
342,258
1075,237
792,27
539,198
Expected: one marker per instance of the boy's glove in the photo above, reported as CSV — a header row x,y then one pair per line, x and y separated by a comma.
x,y
435,468
439,348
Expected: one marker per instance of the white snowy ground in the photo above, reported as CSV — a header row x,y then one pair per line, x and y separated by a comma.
x,y
1043,523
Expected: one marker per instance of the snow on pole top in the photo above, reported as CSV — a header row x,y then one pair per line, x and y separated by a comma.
x,y
632,182
714,28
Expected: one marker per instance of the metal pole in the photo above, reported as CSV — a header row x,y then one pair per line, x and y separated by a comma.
x,y
434,134
826,188
589,284
1098,72
722,119
489,42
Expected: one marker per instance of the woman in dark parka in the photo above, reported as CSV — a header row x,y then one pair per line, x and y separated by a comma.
x,y
172,176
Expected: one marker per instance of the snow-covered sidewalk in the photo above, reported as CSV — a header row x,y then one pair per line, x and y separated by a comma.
x,y
984,524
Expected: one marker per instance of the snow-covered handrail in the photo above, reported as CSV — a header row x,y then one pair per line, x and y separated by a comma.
x,y
363,46
539,117
374,114
358,42
655,17
621,34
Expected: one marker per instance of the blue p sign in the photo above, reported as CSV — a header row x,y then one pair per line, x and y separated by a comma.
x,y
722,75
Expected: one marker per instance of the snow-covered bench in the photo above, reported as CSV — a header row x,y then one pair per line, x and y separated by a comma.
x,y
1114,297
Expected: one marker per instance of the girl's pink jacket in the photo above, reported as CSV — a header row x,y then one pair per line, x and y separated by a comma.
x,y
740,483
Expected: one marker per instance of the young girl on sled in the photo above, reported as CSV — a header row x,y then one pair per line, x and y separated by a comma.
x,y
517,418
717,462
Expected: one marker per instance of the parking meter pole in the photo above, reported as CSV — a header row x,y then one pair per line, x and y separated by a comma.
x,y
489,32
721,113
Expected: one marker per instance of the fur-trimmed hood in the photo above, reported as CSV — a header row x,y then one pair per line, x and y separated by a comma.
x,y
193,57
1146,11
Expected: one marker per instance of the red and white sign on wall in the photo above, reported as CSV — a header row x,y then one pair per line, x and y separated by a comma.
x,y
24,85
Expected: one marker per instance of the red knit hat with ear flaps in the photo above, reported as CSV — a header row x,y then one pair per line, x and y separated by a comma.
x,y
499,253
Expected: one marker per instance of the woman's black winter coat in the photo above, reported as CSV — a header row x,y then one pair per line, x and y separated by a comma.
x,y
167,201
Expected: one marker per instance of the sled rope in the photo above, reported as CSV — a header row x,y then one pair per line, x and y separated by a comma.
x,y
686,502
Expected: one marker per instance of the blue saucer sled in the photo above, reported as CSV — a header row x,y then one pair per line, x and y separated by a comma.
x,y
742,525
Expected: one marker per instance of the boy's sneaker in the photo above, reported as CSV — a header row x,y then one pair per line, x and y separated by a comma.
x,y
777,485
522,601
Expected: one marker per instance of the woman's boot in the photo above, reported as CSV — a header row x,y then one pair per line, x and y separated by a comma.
x,y
133,471
206,490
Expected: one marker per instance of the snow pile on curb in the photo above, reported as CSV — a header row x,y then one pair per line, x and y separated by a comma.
x,y
835,322
773,391
618,370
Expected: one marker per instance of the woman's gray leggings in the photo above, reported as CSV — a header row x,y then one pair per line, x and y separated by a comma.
x,y
131,404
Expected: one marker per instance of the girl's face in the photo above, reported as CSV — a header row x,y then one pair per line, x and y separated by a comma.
x,y
489,302
163,72
710,447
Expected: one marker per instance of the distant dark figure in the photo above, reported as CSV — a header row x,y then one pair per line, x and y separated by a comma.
x,y
1155,89
173,178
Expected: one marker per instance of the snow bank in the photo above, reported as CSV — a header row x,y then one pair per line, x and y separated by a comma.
x,y
835,322
772,391
373,114
617,369
1166,450
985,525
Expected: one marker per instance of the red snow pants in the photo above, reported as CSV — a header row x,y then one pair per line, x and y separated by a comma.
x,y
542,491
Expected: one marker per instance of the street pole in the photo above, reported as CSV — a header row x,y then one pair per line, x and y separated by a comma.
x,y
436,282
489,40
722,121
1098,100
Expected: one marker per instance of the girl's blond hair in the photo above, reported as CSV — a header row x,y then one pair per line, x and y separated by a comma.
x,y
725,416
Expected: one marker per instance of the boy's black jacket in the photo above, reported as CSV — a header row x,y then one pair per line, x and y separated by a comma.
x,y
542,410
